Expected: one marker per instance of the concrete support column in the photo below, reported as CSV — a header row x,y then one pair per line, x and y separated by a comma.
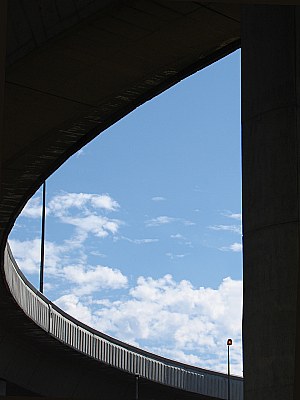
x,y
271,149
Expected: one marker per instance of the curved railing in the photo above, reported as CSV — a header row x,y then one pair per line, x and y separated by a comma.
x,y
109,350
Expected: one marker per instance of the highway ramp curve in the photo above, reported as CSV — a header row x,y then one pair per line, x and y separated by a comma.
x,y
48,352
72,69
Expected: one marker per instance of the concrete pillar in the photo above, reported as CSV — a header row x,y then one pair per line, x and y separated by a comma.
x,y
271,140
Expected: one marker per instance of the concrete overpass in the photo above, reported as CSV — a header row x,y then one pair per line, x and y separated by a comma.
x,y
121,370
73,68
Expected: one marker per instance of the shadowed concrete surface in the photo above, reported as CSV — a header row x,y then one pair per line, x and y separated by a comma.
x,y
271,72
73,68
72,71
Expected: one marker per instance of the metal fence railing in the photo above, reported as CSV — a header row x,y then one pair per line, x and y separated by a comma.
x,y
111,351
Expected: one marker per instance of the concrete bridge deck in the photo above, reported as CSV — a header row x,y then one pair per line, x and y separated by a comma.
x,y
129,368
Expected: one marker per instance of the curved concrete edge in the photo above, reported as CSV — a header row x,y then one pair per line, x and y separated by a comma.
x,y
110,351
24,174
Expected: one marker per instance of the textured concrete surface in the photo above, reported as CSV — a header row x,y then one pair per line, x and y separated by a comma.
x,y
72,72
271,135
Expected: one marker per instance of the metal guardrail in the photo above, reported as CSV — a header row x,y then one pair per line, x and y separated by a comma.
x,y
111,351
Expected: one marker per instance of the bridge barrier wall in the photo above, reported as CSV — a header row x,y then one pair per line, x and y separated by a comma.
x,y
109,350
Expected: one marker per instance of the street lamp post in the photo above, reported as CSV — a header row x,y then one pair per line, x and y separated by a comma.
x,y
229,343
43,239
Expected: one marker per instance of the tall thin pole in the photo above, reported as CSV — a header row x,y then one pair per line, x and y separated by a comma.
x,y
228,384
229,343
43,240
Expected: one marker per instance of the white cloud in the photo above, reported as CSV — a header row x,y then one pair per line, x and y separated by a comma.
x,y
92,279
235,247
98,225
176,354
182,240
71,304
140,241
33,208
97,254
237,216
163,220
61,204
87,279
48,287
188,223
27,254
104,201
184,322
177,236
174,256
79,210
230,228
158,198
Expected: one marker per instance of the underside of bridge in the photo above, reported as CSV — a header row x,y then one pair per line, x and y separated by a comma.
x,y
72,68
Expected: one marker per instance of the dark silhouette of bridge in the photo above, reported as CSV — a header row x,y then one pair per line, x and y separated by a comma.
x,y
70,69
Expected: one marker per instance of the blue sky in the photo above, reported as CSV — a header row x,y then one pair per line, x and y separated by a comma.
x,y
143,230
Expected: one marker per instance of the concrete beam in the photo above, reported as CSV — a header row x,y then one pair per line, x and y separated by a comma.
x,y
257,2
